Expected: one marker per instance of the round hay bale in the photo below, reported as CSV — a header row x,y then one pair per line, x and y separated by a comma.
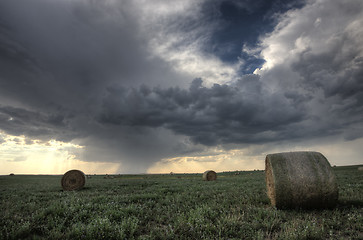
x,y
300,180
73,180
209,175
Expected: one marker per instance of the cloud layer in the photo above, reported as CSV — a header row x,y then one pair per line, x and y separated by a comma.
x,y
315,53
117,77
242,112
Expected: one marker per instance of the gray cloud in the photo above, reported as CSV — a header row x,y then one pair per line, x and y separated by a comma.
x,y
65,54
238,113
322,61
18,121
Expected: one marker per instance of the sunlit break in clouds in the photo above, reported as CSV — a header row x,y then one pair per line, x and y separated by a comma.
x,y
182,86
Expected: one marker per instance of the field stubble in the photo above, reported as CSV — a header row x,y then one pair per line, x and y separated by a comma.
x,y
178,206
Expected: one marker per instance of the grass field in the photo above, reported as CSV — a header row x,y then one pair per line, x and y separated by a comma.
x,y
179,206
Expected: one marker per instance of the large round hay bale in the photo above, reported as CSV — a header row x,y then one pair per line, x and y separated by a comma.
x,y
73,180
209,175
300,180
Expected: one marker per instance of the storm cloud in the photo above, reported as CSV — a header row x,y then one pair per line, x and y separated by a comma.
x,y
135,82
242,112
322,60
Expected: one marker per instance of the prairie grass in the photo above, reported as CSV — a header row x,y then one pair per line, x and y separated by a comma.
x,y
178,206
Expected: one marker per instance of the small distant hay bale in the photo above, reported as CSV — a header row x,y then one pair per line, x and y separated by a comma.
x,y
73,180
360,168
210,175
300,180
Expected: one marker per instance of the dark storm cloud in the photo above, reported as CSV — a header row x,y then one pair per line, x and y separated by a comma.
x,y
322,61
18,121
65,53
243,112
238,113
337,73
56,61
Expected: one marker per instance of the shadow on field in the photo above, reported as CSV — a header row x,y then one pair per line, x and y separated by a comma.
x,y
341,205
350,203
84,189
79,190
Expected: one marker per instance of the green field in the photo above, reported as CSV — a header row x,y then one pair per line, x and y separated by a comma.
x,y
179,206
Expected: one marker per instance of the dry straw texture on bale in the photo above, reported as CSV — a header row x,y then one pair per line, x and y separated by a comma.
x,y
73,180
209,175
300,180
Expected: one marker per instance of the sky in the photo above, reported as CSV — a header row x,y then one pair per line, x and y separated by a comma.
x,y
140,86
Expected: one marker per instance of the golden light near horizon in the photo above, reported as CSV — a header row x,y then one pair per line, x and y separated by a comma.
x,y
338,153
21,155
218,159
